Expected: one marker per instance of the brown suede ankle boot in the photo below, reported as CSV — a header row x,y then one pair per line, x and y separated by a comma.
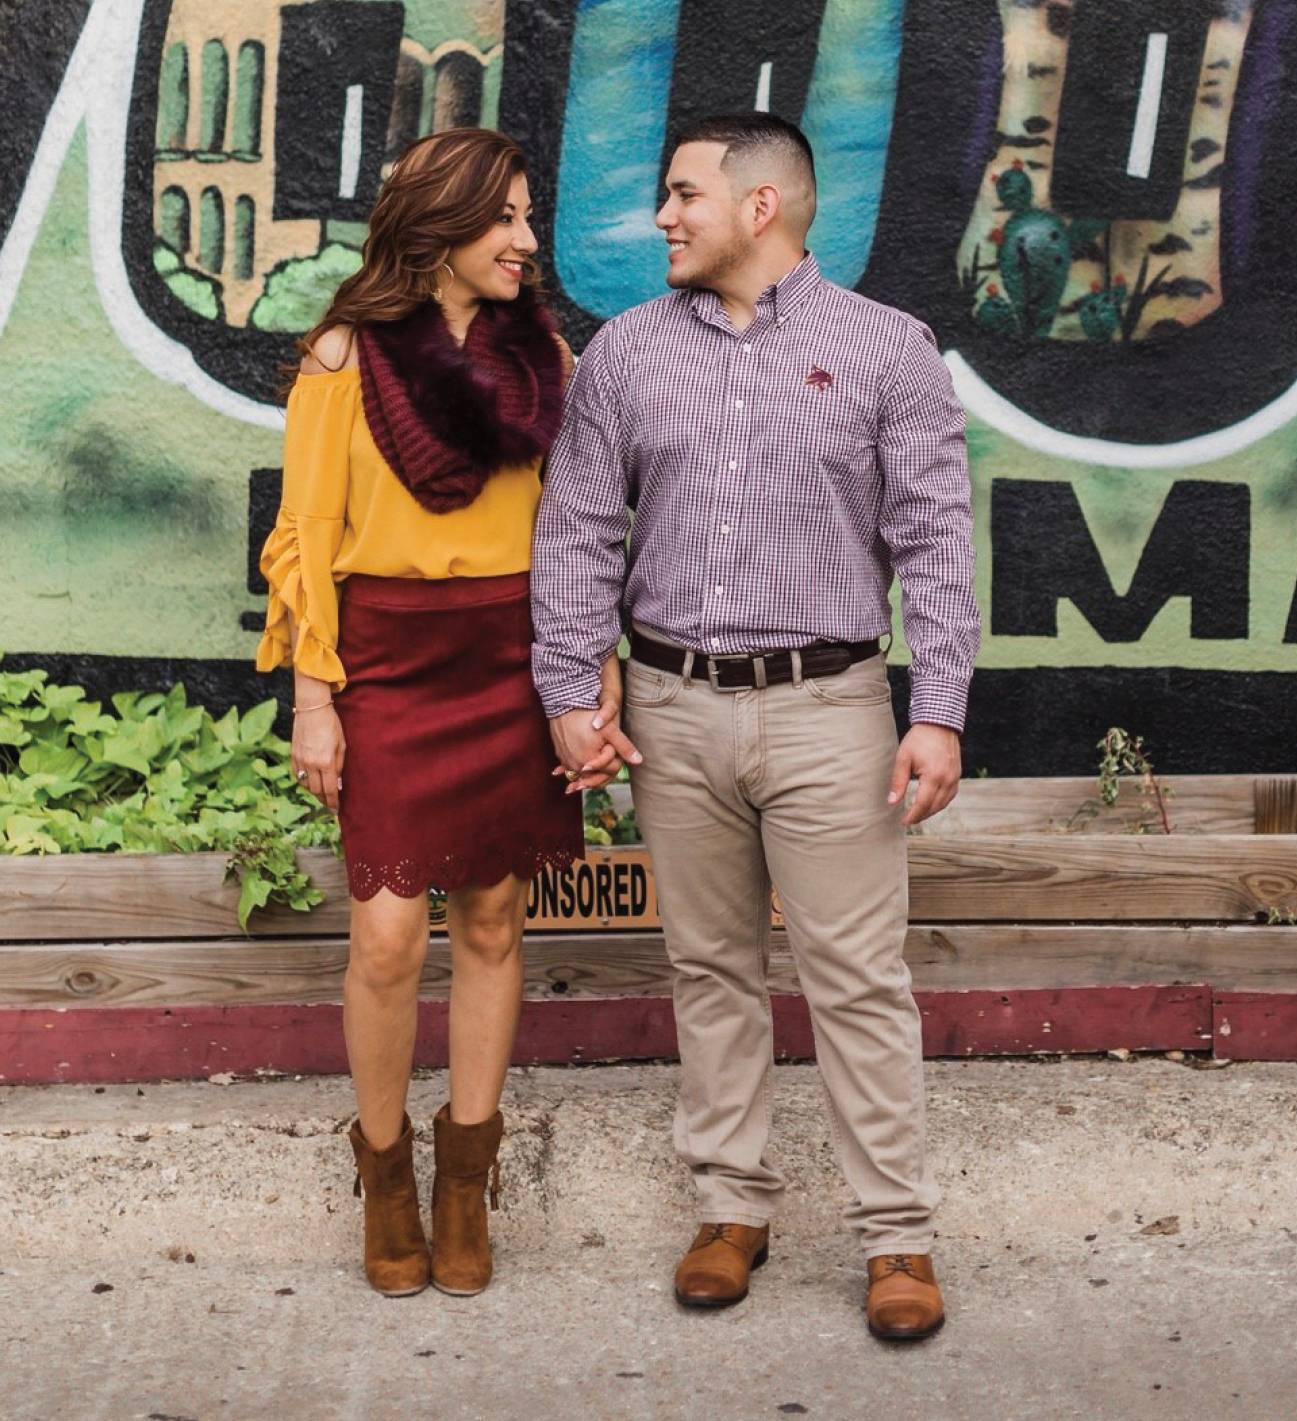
x,y
461,1247
396,1248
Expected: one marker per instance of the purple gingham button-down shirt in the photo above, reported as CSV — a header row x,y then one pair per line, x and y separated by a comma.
x,y
779,476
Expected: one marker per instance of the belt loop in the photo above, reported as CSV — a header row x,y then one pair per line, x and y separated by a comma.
x,y
796,658
686,671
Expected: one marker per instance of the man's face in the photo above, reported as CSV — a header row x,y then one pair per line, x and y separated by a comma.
x,y
701,218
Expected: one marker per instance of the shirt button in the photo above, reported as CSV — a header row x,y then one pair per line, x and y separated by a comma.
x,y
748,348
716,641
738,404
725,527
734,463
720,591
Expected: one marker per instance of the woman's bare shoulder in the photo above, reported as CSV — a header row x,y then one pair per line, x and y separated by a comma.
x,y
332,350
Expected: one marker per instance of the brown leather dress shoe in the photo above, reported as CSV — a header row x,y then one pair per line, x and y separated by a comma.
x,y
714,1273
903,1303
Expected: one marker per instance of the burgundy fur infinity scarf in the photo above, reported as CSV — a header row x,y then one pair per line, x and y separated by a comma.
x,y
446,417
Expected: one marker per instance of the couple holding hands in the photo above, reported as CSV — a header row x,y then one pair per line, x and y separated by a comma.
x,y
785,447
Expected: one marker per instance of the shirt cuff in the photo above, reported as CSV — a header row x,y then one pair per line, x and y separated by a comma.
x,y
937,702
573,695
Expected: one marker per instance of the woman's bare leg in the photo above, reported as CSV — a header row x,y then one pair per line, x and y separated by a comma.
x,y
485,994
389,941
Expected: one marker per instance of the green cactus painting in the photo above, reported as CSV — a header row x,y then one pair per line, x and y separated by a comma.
x,y
1100,311
1034,261
1061,272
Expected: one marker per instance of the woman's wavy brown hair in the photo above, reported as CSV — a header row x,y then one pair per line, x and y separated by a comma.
x,y
444,190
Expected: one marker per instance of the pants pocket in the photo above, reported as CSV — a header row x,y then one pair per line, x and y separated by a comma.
x,y
647,686
864,684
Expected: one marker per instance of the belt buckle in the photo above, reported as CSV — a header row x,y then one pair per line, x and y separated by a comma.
x,y
713,676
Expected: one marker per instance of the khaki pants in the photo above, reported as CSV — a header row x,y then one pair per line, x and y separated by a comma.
x,y
787,783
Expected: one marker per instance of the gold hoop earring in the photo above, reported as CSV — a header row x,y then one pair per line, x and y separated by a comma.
x,y
436,290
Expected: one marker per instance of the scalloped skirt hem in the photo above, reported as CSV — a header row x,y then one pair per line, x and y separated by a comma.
x,y
408,878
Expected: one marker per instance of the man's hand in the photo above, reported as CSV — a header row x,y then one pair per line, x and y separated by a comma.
x,y
929,753
592,744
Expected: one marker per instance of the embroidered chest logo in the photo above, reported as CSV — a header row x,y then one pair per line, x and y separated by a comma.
x,y
819,379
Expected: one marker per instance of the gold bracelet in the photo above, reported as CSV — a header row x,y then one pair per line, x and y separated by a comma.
x,y
321,706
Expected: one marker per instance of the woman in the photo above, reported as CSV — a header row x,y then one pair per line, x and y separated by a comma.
x,y
398,572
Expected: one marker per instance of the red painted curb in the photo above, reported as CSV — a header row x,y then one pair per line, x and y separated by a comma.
x,y
99,1045
1149,1018
1255,1026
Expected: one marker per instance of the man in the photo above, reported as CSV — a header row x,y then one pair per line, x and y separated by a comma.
x,y
786,446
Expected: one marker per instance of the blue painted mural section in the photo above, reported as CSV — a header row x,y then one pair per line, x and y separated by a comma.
x,y
848,120
609,254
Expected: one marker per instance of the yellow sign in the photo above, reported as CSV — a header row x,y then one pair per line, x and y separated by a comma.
x,y
612,888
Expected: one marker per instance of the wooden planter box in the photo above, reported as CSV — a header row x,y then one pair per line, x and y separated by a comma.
x,y
1024,937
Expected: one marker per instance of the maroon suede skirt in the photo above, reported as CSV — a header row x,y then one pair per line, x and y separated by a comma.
x,y
447,779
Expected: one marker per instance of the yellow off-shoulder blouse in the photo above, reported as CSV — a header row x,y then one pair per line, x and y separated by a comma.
x,y
345,511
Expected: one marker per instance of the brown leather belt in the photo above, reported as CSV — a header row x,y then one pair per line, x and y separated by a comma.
x,y
751,671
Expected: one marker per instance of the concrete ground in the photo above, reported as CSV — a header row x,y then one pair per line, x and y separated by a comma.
x,y
1118,1240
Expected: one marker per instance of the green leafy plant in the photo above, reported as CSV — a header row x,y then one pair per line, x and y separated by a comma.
x,y
156,775
1123,754
603,823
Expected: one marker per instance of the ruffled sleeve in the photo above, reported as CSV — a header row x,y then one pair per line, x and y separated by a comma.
x,y
298,557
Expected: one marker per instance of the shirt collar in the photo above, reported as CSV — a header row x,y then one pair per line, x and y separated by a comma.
x,y
792,288
778,300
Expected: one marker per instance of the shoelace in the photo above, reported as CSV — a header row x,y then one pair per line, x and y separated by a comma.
x,y
900,1263
718,1233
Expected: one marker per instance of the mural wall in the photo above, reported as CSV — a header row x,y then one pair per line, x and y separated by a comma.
x,y
1091,202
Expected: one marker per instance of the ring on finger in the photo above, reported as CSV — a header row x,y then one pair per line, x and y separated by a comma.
x,y
571,775
302,774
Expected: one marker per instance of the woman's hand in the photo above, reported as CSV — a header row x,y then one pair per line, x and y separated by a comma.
x,y
595,764
319,748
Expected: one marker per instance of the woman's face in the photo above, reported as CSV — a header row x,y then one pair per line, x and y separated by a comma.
x,y
490,268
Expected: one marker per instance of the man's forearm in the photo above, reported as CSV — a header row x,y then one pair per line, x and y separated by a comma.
x,y
579,551
568,681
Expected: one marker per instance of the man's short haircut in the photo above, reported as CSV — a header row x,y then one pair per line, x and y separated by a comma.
x,y
747,135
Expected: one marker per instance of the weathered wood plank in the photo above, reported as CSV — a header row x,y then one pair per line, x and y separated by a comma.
x,y
1054,878
103,896
1199,804
106,896
954,878
1275,800
968,956
954,957
301,970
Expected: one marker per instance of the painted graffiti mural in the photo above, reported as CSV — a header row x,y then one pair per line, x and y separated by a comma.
x,y
1091,202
